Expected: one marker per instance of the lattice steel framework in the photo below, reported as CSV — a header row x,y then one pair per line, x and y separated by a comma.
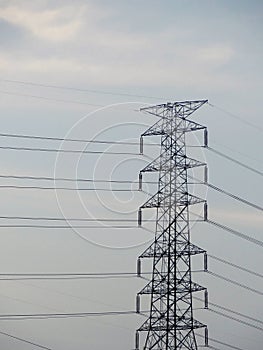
x,y
170,324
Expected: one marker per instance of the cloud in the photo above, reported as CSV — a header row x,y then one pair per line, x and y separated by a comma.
x,y
50,24
78,42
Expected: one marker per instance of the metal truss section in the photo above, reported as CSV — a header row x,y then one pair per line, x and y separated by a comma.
x,y
182,109
157,288
161,163
171,324
158,249
183,127
182,199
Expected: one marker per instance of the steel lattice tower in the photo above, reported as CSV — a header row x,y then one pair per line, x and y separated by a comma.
x,y
170,324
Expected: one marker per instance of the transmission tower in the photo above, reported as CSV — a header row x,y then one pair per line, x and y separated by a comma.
x,y
170,324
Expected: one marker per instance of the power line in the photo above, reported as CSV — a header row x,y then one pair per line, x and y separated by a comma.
x,y
231,230
89,274
234,116
237,313
57,278
61,139
112,181
234,160
52,86
229,194
64,276
24,340
50,138
65,315
106,152
66,151
236,233
46,218
236,319
95,91
73,189
236,266
235,283
234,196
221,343
208,347
49,98
48,178
78,89
69,188
68,226
70,276
231,311
249,156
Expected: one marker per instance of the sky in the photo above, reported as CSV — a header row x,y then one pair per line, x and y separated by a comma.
x,y
83,69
